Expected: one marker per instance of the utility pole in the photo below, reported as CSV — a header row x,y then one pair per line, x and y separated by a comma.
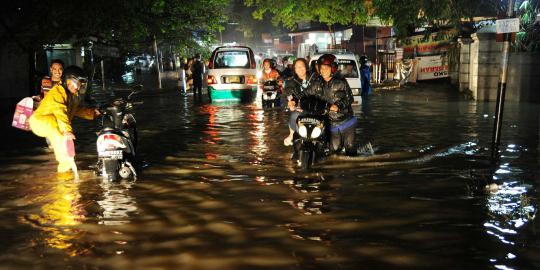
x,y
157,62
499,109
102,75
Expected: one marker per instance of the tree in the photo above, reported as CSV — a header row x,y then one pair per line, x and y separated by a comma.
x,y
33,23
406,15
290,12
528,39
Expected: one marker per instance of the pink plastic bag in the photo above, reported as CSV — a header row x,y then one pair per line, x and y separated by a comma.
x,y
22,114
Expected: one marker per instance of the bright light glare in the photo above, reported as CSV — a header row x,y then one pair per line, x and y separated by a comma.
x,y
302,130
317,131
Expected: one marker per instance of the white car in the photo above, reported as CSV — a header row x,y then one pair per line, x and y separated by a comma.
x,y
349,68
232,73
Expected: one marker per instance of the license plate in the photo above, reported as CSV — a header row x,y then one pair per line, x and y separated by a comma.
x,y
114,154
232,79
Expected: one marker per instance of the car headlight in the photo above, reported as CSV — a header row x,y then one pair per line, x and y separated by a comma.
x,y
355,91
302,130
316,132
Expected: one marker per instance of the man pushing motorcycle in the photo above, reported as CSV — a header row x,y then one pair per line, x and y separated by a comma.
x,y
336,91
52,119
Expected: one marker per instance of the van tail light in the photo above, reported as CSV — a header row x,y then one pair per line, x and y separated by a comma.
x,y
211,80
109,142
251,79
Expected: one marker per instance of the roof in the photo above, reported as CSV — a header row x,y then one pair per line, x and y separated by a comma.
x,y
344,56
232,48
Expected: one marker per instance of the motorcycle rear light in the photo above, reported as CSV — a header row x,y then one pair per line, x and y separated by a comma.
x,y
111,137
251,79
211,80
109,142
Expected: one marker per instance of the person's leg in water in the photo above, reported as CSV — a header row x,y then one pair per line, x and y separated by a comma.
x,y
46,126
343,139
197,89
348,141
292,128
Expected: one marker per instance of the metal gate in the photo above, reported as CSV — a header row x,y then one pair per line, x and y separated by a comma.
x,y
387,65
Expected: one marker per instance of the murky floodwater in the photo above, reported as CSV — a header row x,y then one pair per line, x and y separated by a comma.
x,y
220,192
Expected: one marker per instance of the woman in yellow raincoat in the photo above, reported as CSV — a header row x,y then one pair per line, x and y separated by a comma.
x,y
52,119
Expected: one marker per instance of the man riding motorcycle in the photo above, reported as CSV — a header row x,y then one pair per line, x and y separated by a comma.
x,y
269,72
336,91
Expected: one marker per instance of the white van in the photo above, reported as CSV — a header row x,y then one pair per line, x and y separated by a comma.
x,y
349,68
232,73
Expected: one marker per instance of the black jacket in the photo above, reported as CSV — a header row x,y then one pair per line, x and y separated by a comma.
x,y
336,91
294,87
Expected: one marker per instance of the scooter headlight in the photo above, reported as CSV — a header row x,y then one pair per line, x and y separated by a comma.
x,y
316,132
302,130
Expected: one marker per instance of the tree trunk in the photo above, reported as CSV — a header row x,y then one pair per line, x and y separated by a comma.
x,y
332,36
157,63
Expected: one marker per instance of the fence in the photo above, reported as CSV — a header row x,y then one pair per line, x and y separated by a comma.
x,y
385,67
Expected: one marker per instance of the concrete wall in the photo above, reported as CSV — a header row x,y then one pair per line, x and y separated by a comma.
x,y
484,71
464,63
523,77
484,66
14,71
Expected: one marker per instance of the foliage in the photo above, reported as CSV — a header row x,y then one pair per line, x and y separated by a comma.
x,y
290,12
129,24
405,15
528,39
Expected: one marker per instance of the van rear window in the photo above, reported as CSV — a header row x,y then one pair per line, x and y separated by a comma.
x,y
347,68
231,59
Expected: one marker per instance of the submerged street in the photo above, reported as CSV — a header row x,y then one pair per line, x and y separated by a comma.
x,y
219,190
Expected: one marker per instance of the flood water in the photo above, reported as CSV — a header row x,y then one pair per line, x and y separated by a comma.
x,y
220,192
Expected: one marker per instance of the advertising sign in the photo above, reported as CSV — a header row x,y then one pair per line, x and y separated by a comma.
x,y
431,44
507,26
432,67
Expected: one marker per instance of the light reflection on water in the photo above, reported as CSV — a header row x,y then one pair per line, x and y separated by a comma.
x,y
60,213
511,207
116,203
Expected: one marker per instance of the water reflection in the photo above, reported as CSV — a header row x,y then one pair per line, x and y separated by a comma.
x,y
258,135
117,204
61,212
315,194
510,208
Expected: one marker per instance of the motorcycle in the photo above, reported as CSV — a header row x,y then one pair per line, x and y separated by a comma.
x,y
117,140
311,139
271,93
